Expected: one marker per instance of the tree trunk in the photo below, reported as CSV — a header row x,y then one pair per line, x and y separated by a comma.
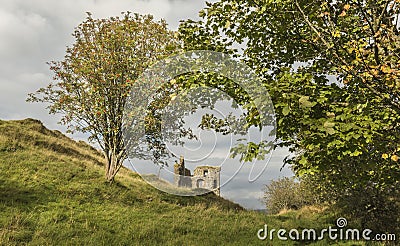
x,y
114,163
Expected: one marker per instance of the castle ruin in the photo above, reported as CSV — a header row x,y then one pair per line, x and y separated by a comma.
x,y
204,177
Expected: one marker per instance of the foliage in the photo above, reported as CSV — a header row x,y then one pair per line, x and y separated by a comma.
x,y
332,69
93,82
289,193
374,209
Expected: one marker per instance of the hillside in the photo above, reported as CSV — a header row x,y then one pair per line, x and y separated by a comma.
x,y
52,192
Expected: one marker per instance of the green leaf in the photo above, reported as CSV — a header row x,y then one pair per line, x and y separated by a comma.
x,y
285,110
304,102
329,124
330,131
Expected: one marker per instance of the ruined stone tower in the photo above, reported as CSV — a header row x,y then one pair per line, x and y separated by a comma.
x,y
207,177
204,177
182,176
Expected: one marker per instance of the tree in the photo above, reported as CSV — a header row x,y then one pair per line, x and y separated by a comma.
x,y
332,69
289,193
93,82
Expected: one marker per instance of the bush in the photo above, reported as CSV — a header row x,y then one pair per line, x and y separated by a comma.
x,y
375,209
366,201
289,193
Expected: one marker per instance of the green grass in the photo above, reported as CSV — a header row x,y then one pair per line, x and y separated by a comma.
x,y
53,192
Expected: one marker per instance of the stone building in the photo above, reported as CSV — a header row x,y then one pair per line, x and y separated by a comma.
x,y
204,177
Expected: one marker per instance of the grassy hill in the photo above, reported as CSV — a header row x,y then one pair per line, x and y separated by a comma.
x,y
52,192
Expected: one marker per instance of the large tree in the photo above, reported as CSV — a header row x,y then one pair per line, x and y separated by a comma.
x,y
333,71
92,84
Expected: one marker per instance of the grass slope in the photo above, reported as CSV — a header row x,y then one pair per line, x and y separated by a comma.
x,y
52,192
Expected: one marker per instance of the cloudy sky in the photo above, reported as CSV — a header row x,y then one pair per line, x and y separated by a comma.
x,y
37,31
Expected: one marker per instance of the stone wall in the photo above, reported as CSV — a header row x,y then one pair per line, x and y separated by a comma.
x,y
207,177
204,177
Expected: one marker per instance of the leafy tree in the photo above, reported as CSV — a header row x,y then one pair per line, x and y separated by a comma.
x,y
332,69
279,195
93,82
289,193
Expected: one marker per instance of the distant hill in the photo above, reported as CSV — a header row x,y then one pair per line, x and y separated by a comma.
x,y
53,192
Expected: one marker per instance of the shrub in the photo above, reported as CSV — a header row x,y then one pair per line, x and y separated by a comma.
x,y
289,193
374,209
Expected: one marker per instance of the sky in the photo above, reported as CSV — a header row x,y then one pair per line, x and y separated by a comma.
x,y
38,31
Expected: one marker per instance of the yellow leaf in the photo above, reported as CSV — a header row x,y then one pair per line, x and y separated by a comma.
x,y
394,158
336,34
385,156
346,7
227,24
386,69
172,96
